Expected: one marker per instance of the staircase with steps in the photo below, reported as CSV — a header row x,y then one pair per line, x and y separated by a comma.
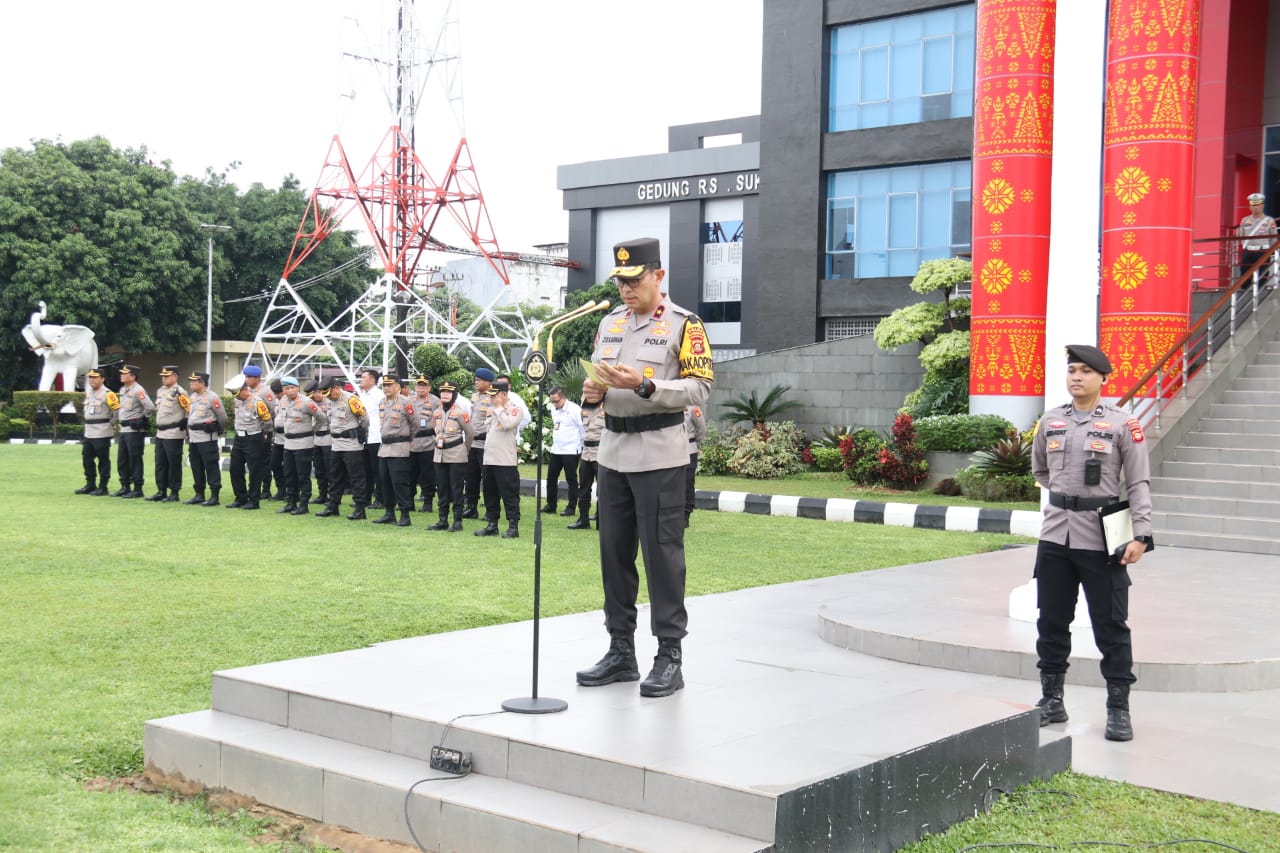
x,y
1219,487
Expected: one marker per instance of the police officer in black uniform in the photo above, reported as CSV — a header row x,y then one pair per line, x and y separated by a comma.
x,y
1089,455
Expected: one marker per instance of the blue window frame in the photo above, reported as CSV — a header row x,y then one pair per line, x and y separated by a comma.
x,y
902,70
886,222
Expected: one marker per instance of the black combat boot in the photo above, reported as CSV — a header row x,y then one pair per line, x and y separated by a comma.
x,y
250,505
581,524
101,491
330,509
470,512
665,677
172,497
238,503
426,507
121,492
287,508
197,498
213,499
512,531
300,509
442,524
567,512
404,518
157,497
490,529
456,527
1119,725
387,517
136,493
618,664
1052,708
86,489
549,509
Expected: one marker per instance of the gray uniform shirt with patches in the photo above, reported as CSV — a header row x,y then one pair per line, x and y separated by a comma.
x,y
206,408
134,404
343,420
169,412
99,419
1061,447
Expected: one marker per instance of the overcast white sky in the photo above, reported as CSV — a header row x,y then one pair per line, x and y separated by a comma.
x,y
264,82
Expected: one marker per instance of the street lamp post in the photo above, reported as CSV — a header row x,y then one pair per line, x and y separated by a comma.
x,y
208,314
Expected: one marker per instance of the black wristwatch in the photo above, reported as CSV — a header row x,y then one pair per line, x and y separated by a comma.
x,y
1145,540
646,389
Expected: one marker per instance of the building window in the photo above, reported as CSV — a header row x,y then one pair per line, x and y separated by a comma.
x,y
902,70
886,222
850,327
721,240
1271,168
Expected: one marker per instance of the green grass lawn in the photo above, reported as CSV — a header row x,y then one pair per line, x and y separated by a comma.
x,y
118,611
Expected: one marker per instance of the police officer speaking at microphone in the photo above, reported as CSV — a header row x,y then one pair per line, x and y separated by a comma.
x,y
1089,455
652,359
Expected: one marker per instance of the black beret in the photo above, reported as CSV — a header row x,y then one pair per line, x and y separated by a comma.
x,y
1091,356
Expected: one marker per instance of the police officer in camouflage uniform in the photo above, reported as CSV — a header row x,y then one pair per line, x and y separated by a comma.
x,y
134,417
653,359
205,423
100,407
1088,455
171,434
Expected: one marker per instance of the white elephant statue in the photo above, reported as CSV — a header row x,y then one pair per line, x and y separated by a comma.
x,y
67,350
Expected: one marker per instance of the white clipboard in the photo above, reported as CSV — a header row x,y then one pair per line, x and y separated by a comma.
x,y
1117,529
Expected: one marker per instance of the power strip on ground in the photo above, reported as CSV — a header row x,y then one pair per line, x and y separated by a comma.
x,y
448,760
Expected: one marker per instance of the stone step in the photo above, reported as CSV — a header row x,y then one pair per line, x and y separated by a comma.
x,y
1246,411
1248,397
1250,426
1265,366
1233,526
1217,542
1229,439
1223,506
1247,383
365,789
1221,471
1216,488
1234,455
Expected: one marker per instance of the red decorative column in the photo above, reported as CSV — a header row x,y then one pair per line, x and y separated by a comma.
x,y
1148,163
1012,174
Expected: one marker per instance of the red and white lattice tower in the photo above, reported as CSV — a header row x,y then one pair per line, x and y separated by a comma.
x,y
407,213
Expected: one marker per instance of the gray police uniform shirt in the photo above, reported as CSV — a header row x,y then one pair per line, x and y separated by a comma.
x,y
134,404
324,437
504,436
344,424
424,423
481,408
669,347
169,412
454,433
266,395
99,419
247,420
279,418
695,426
302,418
592,429
396,414
206,408
1061,447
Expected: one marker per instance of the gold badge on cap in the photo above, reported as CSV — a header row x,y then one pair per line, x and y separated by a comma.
x,y
623,255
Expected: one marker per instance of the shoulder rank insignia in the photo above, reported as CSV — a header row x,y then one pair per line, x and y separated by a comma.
x,y
356,407
264,411
113,400
1135,430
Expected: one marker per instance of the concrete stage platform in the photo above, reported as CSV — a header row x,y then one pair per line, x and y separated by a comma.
x,y
782,740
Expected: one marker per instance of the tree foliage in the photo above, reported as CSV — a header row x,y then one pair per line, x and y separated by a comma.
x,y
111,240
576,339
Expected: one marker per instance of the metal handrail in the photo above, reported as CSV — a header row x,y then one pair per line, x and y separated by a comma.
x,y
1194,351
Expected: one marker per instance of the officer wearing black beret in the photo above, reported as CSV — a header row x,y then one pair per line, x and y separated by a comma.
x,y
1088,455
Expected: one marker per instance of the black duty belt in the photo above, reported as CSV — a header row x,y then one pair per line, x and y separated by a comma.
x,y
174,425
300,434
395,440
322,432
280,430
1078,503
642,423
425,433
98,421
450,444
595,443
347,433
246,433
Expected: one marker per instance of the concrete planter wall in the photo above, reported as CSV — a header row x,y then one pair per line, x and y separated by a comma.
x,y
944,464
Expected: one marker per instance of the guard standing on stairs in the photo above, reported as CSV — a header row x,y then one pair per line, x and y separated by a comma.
x,y
1089,455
